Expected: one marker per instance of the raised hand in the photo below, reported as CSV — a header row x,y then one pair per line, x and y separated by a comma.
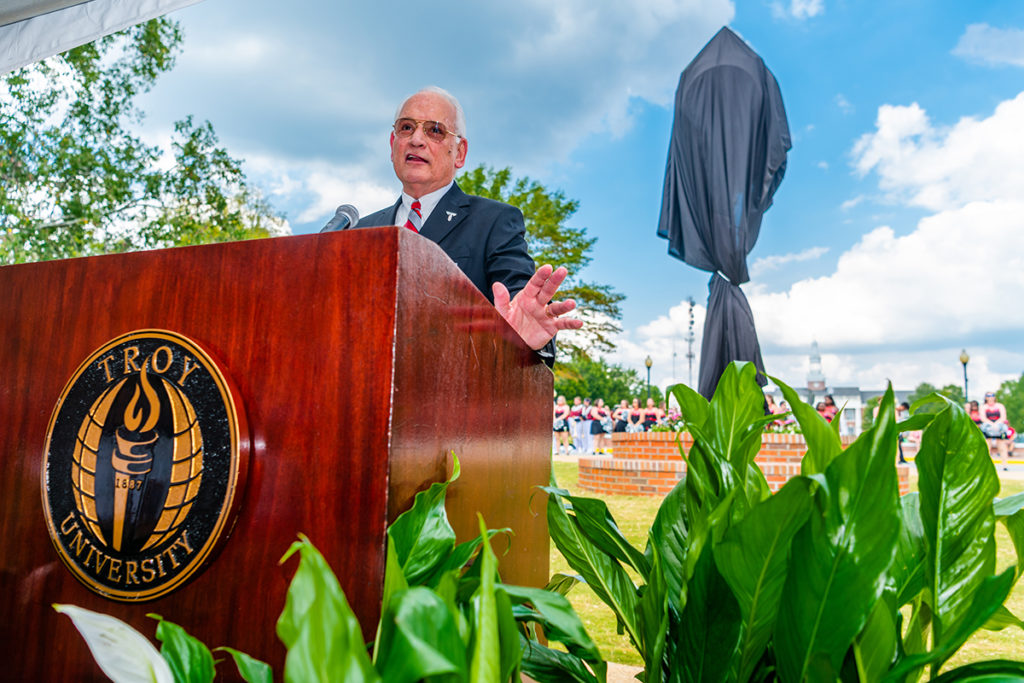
x,y
532,313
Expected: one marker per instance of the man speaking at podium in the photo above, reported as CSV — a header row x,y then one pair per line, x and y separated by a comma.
x,y
485,238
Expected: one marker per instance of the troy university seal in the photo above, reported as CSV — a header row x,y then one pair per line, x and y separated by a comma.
x,y
145,460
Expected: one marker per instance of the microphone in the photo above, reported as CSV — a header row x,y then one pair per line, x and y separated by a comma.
x,y
344,218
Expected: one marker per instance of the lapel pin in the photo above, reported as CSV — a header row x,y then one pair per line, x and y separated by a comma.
x,y
451,215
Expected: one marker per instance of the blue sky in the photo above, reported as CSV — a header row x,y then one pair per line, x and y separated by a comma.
x,y
896,238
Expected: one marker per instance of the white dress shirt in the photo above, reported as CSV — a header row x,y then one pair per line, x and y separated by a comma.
x,y
427,204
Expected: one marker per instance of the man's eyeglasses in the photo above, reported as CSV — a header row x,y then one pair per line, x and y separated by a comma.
x,y
435,130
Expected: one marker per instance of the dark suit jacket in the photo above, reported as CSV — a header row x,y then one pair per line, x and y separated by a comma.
x,y
485,238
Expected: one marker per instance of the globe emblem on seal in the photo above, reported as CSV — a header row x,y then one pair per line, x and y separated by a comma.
x,y
155,465
144,462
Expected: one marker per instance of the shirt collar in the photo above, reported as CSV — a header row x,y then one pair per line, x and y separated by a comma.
x,y
427,201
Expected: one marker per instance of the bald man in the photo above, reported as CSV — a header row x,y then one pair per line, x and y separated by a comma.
x,y
485,238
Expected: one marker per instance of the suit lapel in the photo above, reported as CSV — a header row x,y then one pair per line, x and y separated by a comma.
x,y
393,214
449,212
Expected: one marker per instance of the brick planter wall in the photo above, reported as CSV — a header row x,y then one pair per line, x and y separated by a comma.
x,y
649,464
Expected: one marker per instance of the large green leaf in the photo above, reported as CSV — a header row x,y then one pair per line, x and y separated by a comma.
x,y
510,654
823,443
422,535
654,615
874,648
546,665
1015,527
1009,511
324,641
668,535
460,557
915,636
1003,618
1004,507
957,483
601,571
394,582
710,626
556,615
250,669
841,555
725,442
984,602
754,560
738,418
702,481
419,638
485,653
907,574
693,407
597,523
562,583
992,671
190,660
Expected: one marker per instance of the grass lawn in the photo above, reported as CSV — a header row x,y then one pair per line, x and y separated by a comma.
x,y
634,515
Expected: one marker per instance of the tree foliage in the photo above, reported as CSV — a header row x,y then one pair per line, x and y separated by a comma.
x,y
922,390
583,375
552,241
1011,395
953,392
75,179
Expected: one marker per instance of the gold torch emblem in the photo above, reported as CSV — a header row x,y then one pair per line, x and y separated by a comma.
x,y
159,441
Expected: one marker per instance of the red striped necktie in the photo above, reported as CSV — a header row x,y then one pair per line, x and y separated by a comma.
x,y
415,220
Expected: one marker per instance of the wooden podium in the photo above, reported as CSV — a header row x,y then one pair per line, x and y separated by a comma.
x,y
361,359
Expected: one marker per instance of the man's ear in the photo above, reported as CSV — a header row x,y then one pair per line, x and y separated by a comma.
x,y
460,152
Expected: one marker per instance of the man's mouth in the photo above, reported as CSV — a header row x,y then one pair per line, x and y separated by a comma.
x,y
415,159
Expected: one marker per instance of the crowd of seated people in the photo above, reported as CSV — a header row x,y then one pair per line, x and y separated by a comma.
x,y
991,419
586,426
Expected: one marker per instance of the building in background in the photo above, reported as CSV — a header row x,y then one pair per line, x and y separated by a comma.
x,y
853,401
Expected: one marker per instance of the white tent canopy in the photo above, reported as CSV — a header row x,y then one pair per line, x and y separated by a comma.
x,y
31,30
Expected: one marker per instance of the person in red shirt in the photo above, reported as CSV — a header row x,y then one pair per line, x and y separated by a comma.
x,y
561,425
996,427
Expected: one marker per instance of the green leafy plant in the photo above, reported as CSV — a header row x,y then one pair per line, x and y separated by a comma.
x,y
834,577
445,617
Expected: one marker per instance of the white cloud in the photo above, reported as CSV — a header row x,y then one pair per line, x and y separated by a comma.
x,y
994,46
294,85
798,9
843,104
769,263
823,165
238,52
905,369
916,289
870,369
942,168
921,288
664,339
901,306
313,190
850,203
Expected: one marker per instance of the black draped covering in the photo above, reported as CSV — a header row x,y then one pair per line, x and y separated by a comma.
x,y
726,158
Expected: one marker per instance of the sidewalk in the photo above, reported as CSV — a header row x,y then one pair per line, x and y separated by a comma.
x,y
1014,471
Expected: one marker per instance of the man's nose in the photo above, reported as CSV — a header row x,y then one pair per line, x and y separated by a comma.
x,y
418,137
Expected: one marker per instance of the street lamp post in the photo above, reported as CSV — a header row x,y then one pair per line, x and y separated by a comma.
x,y
963,359
648,362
